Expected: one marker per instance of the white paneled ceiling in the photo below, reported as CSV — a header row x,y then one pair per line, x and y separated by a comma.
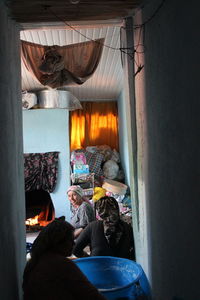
x,y
107,81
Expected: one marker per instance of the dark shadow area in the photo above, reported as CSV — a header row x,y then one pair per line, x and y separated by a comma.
x,y
38,202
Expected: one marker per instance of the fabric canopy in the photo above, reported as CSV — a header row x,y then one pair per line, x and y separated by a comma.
x,y
58,66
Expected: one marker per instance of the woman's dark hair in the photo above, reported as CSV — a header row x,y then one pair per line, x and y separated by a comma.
x,y
106,204
51,236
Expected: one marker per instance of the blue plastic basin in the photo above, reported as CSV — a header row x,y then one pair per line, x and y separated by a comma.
x,y
115,277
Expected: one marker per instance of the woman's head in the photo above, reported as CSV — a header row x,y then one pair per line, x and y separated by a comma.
x,y
75,194
57,237
108,209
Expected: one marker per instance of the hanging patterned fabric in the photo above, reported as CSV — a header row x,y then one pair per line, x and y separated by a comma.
x,y
41,171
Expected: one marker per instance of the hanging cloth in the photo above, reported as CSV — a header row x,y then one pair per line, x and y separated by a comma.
x,y
41,171
58,66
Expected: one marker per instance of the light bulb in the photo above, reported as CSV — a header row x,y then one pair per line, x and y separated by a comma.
x,y
74,1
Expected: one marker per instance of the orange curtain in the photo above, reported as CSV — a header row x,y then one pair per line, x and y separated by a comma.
x,y
95,125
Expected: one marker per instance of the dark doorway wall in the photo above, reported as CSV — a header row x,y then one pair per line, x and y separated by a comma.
x,y
12,204
170,108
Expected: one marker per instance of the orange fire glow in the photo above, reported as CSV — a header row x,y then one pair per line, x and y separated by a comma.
x,y
36,221
32,221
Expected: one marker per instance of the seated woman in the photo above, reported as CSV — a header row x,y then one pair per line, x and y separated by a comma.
x,y
49,274
109,236
82,212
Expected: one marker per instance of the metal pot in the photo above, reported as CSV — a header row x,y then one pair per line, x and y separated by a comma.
x,y
58,99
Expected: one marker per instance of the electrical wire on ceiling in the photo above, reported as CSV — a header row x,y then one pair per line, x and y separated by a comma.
x,y
151,17
141,34
142,27
131,51
124,50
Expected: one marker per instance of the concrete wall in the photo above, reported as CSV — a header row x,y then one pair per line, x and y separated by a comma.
x,y
169,107
131,141
46,130
12,203
138,209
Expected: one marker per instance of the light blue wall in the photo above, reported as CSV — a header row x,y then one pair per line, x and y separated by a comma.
x,y
46,130
128,154
123,139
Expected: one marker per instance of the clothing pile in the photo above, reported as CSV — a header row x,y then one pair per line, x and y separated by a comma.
x,y
105,164
102,161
